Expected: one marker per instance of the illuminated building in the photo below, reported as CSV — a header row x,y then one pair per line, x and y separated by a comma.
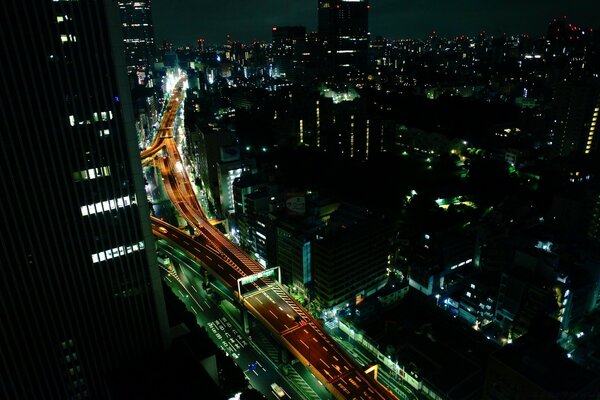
x,y
206,154
594,231
289,43
357,131
138,36
139,50
80,289
253,199
440,259
344,31
305,214
294,256
231,167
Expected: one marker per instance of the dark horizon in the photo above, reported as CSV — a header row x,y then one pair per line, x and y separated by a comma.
x,y
182,22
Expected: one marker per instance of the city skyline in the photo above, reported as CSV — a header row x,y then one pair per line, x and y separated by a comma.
x,y
349,207
184,21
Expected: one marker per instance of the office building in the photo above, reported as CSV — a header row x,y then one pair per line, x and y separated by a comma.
x,y
303,216
254,198
206,146
138,37
230,167
344,31
350,257
439,260
289,43
80,293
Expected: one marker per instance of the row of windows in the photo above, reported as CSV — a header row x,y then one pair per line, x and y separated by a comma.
x,y
91,173
469,261
101,116
116,252
107,205
68,38
125,25
592,131
137,40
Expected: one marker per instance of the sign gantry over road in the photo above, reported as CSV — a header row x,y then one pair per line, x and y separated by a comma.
x,y
245,280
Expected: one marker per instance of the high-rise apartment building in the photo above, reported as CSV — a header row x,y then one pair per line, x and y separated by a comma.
x,y
138,36
80,293
575,130
344,31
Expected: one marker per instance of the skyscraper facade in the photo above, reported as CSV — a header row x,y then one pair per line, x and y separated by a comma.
x,y
80,294
344,31
289,43
138,36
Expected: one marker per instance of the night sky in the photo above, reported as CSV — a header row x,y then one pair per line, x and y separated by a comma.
x,y
182,21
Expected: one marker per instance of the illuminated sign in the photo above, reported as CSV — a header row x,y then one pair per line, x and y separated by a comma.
x,y
259,275
253,278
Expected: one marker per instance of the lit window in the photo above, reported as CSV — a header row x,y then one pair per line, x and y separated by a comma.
x,y
67,38
104,132
103,116
60,18
91,173
116,252
107,205
72,120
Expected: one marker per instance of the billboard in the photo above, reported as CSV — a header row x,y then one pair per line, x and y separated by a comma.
x,y
230,153
295,203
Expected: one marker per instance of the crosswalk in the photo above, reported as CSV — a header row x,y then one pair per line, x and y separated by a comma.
x,y
276,287
266,345
273,351
295,379
331,325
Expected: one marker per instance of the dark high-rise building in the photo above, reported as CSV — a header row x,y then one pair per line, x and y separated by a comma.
x,y
574,129
289,43
138,36
80,293
350,256
344,31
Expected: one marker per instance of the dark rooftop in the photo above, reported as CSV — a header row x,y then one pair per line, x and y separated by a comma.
x,y
442,350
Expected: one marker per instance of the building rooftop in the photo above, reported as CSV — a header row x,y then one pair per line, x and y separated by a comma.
x,y
547,366
441,350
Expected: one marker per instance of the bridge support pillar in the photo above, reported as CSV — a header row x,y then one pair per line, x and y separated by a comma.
x,y
245,321
205,277
283,355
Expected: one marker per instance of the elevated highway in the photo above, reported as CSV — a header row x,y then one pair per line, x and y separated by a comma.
x,y
264,297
